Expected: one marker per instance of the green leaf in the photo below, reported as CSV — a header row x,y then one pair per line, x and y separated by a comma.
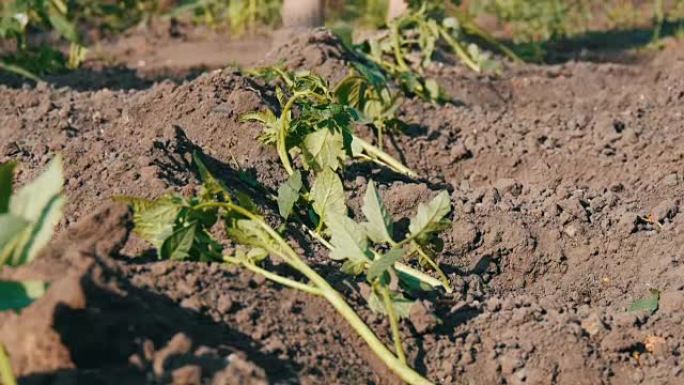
x,y
154,219
213,188
402,305
288,194
6,178
649,303
40,203
12,231
348,239
327,194
379,266
380,226
178,245
411,283
430,217
16,295
432,88
266,117
323,149
59,21
353,267
31,200
250,233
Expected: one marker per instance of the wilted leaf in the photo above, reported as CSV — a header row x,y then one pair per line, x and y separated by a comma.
x,y
348,239
430,217
249,233
177,246
16,295
379,266
288,194
11,230
402,305
649,303
154,219
323,149
40,203
30,201
353,267
327,194
380,225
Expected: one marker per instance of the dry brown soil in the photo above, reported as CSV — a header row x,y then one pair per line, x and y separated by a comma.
x,y
567,183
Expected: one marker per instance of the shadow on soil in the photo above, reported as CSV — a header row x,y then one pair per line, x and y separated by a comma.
x,y
116,322
112,78
599,46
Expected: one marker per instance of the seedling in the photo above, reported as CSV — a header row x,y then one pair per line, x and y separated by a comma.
x,y
321,134
27,222
182,227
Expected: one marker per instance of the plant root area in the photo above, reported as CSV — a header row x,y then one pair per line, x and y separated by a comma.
x,y
567,183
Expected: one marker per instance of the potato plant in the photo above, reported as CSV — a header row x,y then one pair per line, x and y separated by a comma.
x,y
181,228
321,135
412,39
27,221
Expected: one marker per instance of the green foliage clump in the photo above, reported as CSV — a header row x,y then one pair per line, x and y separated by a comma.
x,y
322,134
183,228
18,17
27,222
238,15
412,41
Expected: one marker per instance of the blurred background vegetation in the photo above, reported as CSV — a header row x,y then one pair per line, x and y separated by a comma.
x,y
45,36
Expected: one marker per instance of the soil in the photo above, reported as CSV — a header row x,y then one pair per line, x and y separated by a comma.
x,y
567,183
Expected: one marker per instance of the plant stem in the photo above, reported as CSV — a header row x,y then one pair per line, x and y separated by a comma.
x,y
400,267
273,276
443,277
6,373
281,140
394,323
287,254
460,51
395,34
376,153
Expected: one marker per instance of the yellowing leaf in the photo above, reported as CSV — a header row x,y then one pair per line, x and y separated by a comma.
x,y
401,305
379,266
327,194
430,217
39,203
348,239
154,219
288,194
323,149
380,225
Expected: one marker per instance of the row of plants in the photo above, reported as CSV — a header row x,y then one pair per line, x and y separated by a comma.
x,y
313,130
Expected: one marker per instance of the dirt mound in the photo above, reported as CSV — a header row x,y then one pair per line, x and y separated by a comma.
x,y
567,183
